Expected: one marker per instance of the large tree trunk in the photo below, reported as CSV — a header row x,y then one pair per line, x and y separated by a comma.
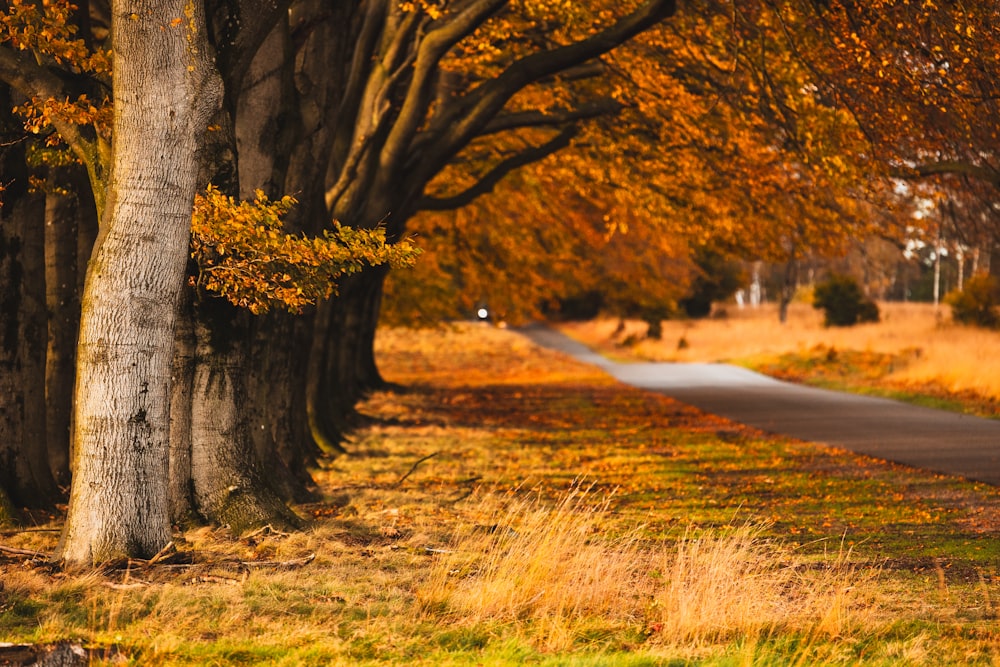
x,y
285,134
166,90
277,399
230,487
24,462
343,366
366,366
181,390
269,133
66,205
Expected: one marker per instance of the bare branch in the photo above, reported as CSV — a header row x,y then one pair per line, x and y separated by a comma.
x,y
552,117
469,116
487,183
950,168
432,48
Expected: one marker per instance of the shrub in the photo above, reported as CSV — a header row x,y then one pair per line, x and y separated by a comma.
x,y
843,303
976,304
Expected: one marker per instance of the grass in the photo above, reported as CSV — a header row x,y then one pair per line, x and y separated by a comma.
x,y
509,506
914,354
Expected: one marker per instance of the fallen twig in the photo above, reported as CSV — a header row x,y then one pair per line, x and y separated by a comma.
x,y
24,552
169,548
413,468
263,530
284,564
213,579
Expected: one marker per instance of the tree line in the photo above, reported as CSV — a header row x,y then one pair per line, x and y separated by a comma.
x,y
201,202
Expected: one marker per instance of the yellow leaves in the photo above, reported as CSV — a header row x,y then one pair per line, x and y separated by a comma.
x,y
432,10
39,114
48,31
244,256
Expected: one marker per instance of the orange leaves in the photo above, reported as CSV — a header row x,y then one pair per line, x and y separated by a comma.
x,y
433,10
39,114
244,255
47,29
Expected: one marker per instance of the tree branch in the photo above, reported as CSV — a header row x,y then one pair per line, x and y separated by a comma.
x,y
454,130
535,118
20,71
429,53
950,168
489,181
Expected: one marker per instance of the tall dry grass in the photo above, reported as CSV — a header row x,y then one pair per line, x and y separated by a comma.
x,y
938,351
552,572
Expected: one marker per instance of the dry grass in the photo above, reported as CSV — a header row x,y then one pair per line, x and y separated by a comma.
x,y
554,573
938,352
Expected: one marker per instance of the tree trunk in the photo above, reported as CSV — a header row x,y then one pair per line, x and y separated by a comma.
x,y
332,385
8,513
63,212
269,133
230,487
343,368
277,399
367,371
181,391
24,462
789,283
165,92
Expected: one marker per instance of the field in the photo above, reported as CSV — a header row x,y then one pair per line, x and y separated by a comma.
x,y
915,353
505,505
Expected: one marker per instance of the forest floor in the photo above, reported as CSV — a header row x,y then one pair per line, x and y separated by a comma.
x,y
506,505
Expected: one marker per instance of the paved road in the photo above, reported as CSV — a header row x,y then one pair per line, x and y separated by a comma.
x,y
932,439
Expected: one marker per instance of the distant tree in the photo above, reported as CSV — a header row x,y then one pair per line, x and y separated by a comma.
x,y
717,278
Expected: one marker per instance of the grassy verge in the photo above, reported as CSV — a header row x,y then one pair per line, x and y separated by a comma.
x,y
915,354
509,506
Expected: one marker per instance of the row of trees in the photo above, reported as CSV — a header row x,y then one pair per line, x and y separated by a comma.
x,y
350,106
780,132
206,380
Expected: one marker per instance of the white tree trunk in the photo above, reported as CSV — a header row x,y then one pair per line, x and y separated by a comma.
x,y
165,89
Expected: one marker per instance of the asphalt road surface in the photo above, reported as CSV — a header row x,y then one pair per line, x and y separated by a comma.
x,y
922,437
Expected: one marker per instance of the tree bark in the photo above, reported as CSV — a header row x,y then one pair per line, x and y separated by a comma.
x,y
343,368
24,462
230,487
789,284
65,206
272,136
182,509
277,399
165,91
8,513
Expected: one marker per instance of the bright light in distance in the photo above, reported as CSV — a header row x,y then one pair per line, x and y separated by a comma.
x,y
482,313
